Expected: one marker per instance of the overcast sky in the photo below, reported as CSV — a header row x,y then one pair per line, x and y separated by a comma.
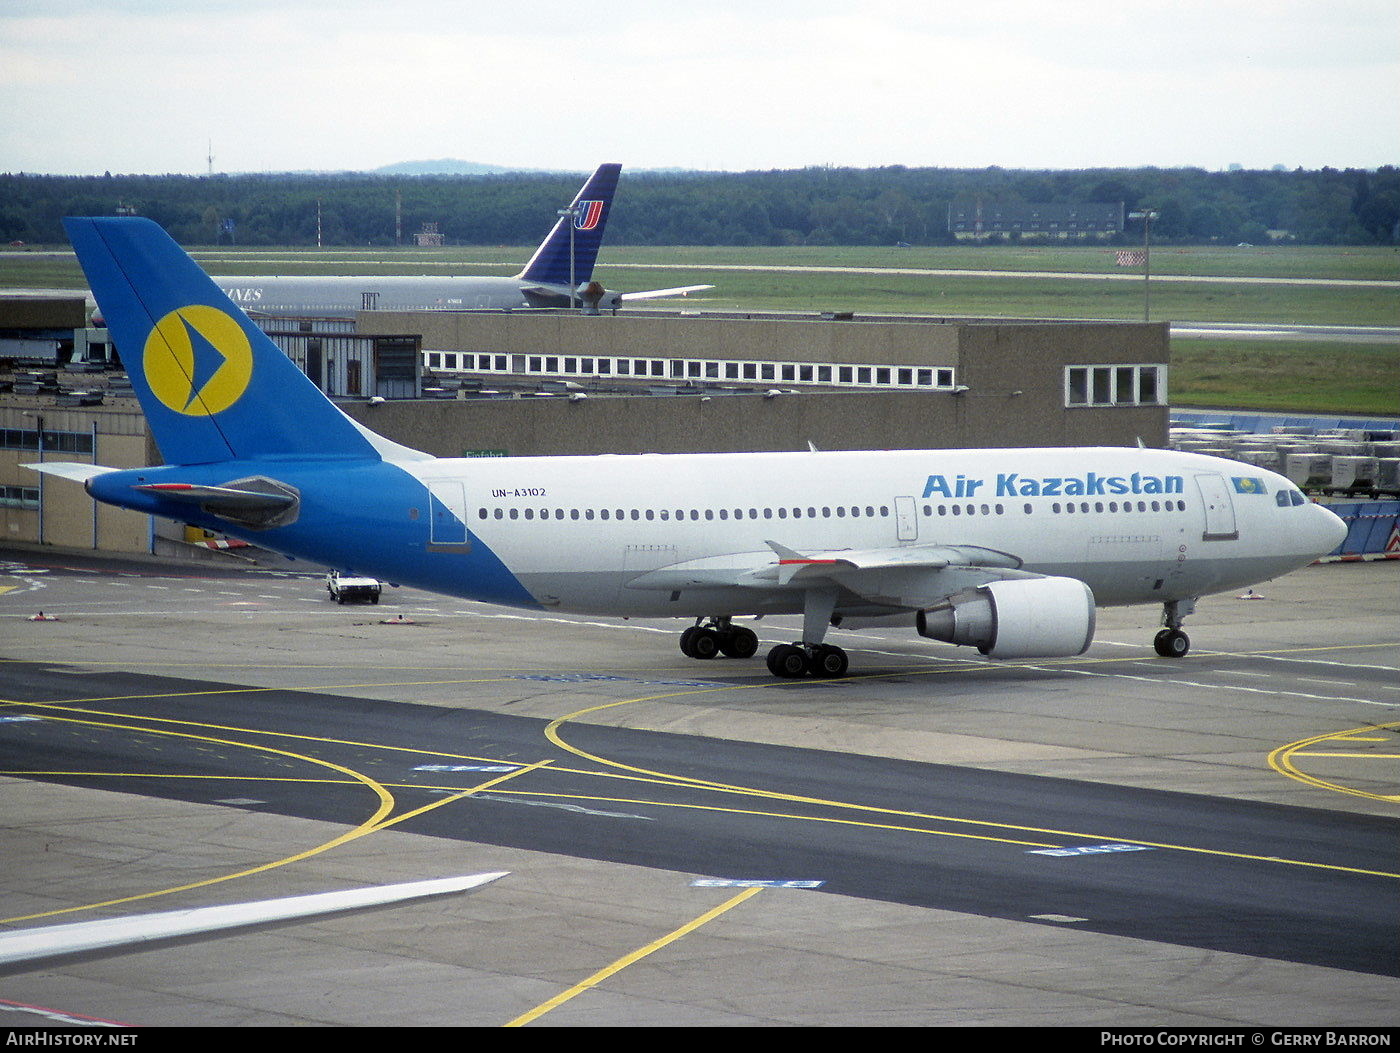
x,y
145,86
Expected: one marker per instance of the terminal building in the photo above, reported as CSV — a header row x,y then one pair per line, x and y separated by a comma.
x,y
543,382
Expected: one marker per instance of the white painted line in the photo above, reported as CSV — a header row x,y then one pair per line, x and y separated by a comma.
x,y
57,1016
578,809
1169,681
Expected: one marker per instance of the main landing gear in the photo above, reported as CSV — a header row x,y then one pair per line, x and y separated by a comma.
x,y
1171,642
716,637
806,657
796,660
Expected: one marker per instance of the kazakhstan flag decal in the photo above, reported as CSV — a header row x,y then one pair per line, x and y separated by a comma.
x,y
1247,485
198,361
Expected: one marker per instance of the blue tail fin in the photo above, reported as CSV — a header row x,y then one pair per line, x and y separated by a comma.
x,y
550,263
212,385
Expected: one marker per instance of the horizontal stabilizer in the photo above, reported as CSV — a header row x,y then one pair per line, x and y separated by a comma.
x,y
75,470
224,496
256,502
658,294
542,296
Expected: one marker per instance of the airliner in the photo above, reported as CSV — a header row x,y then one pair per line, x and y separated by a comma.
x,y
1008,551
559,274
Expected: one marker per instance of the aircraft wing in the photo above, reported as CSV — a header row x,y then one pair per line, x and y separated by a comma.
x,y
22,950
907,577
657,294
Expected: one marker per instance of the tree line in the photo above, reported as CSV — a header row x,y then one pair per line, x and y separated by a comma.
x,y
808,206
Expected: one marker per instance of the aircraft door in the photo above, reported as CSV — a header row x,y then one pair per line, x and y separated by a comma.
x,y
906,519
447,521
1219,508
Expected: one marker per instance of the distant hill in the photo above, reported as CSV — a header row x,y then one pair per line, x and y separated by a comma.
x,y
451,166
447,166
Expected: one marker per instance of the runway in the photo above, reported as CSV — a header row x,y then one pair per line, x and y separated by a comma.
x,y
1114,839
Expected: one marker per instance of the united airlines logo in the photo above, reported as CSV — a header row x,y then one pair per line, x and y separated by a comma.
x,y
198,361
589,215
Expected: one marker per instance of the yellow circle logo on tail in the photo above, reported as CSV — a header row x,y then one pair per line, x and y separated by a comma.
x,y
198,361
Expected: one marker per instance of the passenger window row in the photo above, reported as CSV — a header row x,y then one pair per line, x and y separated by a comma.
x,y
691,514
1058,508
810,512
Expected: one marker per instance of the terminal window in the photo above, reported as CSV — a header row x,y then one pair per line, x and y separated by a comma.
x,y
1115,385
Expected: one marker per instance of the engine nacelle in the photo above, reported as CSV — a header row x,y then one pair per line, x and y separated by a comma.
x,y
594,296
1030,618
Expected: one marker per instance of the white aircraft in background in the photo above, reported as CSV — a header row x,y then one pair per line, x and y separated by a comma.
x,y
565,255
1005,550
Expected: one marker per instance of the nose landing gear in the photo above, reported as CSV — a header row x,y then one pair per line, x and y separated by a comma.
x,y
1172,642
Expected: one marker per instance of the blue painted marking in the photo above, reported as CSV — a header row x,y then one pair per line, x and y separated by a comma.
x,y
467,767
752,883
580,678
17,720
1089,850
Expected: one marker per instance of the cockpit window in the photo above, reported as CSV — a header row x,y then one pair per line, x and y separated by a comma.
x,y
1296,498
1289,498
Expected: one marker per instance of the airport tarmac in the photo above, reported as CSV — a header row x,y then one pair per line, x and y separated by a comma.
x,y
1288,708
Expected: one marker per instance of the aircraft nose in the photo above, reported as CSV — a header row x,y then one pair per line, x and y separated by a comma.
x,y
1331,529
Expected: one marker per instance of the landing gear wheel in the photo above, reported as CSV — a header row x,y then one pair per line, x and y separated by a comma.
x,y
686,638
1172,643
829,662
788,661
704,643
738,643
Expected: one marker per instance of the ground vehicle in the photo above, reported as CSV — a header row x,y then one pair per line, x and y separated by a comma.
x,y
347,588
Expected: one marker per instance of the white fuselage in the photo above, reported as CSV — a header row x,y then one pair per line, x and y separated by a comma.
x,y
1138,526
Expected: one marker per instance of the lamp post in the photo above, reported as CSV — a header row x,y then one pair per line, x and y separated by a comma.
x,y
39,427
1147,216
572,213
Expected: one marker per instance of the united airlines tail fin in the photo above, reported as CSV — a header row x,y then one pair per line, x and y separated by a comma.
x,y
212,385
590,208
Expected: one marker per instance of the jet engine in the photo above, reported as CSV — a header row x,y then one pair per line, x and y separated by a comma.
x,y
1018,618
595,296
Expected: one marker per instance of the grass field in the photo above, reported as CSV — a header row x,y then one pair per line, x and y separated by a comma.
x,y
1306,261
1286,375
1018,296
